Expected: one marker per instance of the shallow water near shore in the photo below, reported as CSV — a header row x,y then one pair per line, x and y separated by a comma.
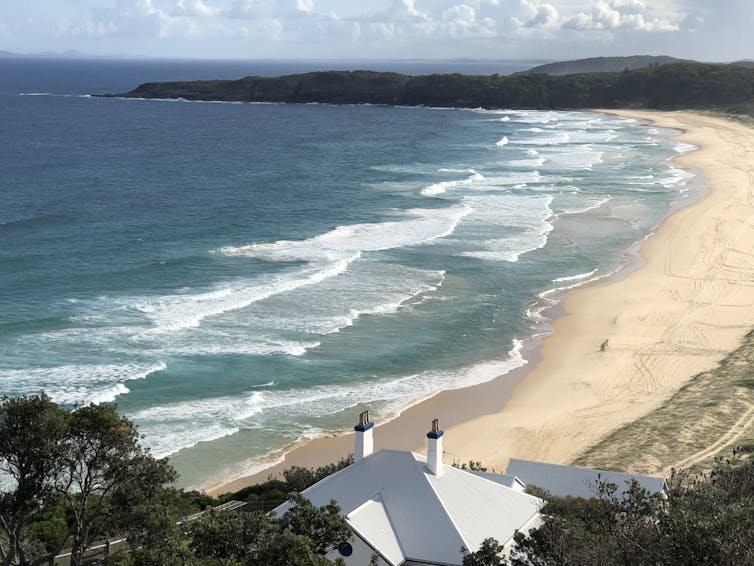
x,y
240,276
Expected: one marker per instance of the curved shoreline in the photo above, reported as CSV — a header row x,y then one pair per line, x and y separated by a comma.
x,y
573,394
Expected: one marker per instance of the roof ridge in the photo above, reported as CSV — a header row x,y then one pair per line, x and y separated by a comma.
x,y
425,476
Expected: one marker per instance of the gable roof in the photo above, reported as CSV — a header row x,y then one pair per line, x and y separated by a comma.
x,y
576,481
406,513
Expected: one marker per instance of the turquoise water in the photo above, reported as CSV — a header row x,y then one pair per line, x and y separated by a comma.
x,y
240,276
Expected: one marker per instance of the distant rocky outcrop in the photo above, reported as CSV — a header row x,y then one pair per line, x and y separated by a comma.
x,y
692,85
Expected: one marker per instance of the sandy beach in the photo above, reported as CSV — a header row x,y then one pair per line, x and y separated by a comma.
x,y
689,303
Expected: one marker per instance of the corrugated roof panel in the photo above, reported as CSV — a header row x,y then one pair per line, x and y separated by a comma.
x,y
481,508
372,523
576,481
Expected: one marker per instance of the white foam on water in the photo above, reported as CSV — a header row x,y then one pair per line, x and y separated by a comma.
x,y
536,116
502,141
557,138
580,157
443,186
451,170
234,342
169,428
591,204
525,163
527,218
172,313
515,178
77,384
369,289
596,137
422,226
532,152
681,147
505,119
577,277
675,176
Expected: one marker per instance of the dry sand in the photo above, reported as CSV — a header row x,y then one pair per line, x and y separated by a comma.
x,y
688,305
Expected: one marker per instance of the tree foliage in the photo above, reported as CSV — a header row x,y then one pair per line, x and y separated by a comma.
x,y
32,434
707,520
80,477
301,537
77,477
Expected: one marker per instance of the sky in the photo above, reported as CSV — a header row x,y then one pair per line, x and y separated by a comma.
x,y
708,30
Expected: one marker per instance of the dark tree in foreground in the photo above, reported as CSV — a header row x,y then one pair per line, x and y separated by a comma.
x,y
301,537
32,431
83,471
108,478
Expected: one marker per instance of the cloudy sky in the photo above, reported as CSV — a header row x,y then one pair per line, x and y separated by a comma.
x,y
712,30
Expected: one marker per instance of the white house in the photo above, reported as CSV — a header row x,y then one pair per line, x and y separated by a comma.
x,y
411,510
575,481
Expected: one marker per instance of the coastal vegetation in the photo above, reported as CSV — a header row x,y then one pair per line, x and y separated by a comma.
x,y
682,85
711,415
705,519
71,479
79,477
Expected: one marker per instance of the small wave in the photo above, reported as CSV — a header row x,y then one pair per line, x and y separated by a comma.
x,y
577,277
558,138
505,119
77,384
169,428
594,203
386,308
528,217
526,163
681,147
173,313
503,141
423,226
443,186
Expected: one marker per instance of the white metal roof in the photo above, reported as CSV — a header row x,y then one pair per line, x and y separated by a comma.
x,y
507,480
578,482
372,523
394,503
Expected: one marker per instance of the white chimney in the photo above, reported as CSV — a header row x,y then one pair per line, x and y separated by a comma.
x,y
434,449
364,441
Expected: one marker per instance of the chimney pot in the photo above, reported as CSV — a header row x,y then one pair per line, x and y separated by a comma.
x,y
364,440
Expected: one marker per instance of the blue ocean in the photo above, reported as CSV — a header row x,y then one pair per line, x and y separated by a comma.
x,y
237,277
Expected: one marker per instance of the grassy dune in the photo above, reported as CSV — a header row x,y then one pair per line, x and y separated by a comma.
x,y
709,416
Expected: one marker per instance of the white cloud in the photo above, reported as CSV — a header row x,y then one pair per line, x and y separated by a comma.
x,y
410,28
534,14
613,15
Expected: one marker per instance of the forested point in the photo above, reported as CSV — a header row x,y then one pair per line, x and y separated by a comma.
x,y
71,479
683,85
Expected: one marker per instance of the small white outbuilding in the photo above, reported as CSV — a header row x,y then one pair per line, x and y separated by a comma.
x,y
575,481
411,510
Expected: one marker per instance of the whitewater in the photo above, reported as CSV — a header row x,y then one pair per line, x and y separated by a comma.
x,y
240,277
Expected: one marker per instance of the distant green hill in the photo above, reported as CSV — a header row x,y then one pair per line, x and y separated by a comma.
x,y
601,65
728,88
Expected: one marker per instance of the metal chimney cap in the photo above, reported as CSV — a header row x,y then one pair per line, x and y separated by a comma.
x,y
435,432
364,422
